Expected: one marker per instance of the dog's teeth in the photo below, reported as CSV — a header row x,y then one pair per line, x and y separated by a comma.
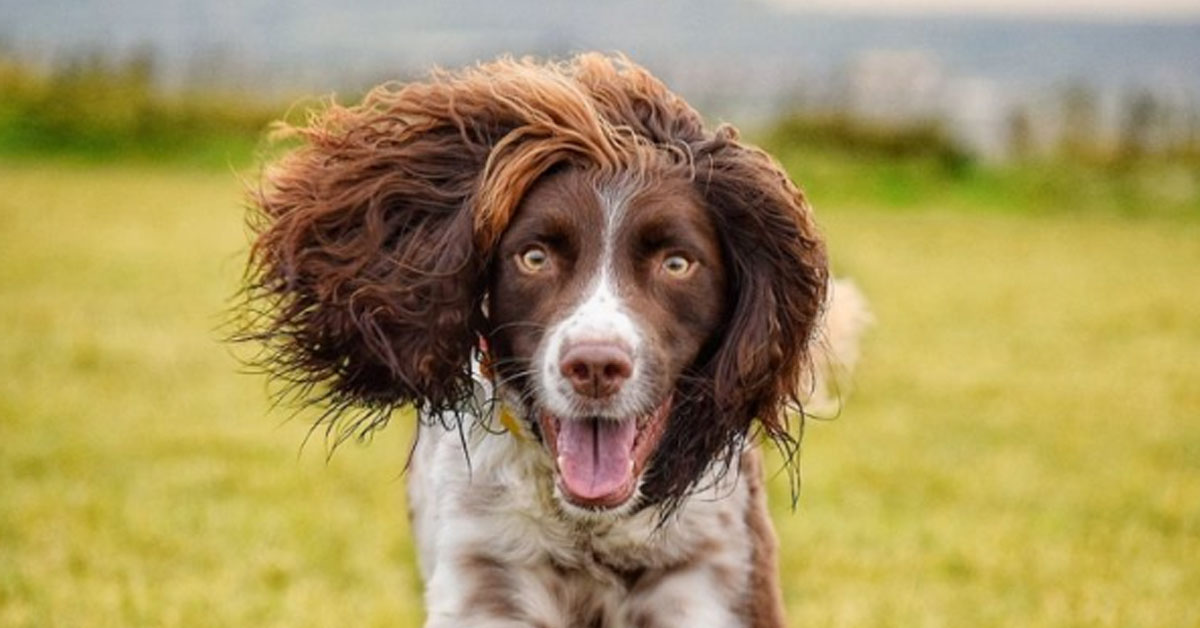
x,y
630,467
560,461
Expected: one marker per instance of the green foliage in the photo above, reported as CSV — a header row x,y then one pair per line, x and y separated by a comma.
x,y
1020,448
94,109
837,133
839,163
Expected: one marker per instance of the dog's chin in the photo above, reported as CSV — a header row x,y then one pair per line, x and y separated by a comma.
x,y
599,461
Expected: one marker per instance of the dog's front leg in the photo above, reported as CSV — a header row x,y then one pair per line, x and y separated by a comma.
x,y
473,589
700,596
478,590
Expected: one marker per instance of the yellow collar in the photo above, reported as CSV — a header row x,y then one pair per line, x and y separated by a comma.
x,y
507,418
511,423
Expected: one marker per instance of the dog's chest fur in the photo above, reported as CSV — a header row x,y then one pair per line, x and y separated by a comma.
x,y
495,550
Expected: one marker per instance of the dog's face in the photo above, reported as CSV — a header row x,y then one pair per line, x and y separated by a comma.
x,y
603,294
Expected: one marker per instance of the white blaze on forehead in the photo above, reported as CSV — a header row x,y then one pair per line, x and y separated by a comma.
x,y
601,316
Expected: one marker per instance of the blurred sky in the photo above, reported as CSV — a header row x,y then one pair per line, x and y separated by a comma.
x,y
1112,9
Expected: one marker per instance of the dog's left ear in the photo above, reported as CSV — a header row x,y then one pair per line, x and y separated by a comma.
x,y
776,259
365,275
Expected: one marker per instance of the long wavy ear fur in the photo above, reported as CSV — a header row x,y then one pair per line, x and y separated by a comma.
x,y
777,265
778,262
364,274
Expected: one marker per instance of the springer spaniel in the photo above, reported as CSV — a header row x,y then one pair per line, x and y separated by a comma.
x,y
595,303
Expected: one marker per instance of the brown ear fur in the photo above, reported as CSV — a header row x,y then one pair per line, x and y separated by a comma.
x,y
776,262
364,271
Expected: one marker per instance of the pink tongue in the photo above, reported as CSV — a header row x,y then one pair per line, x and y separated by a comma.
x,y
595,456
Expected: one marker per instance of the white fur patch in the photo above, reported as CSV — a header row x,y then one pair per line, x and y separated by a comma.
x,y
601,316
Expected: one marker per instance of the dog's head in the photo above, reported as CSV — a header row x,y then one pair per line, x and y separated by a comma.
x,y
648,288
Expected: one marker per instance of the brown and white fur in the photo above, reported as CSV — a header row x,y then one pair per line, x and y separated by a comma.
x,y
595,303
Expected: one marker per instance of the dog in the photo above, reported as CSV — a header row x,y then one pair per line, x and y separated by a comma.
x,y
598,307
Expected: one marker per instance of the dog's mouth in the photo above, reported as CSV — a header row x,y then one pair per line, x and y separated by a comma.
x,y
600,460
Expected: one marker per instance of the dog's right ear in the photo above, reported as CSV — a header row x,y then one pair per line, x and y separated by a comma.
x,y
364,281
373,236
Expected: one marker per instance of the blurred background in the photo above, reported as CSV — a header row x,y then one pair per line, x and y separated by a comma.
x,y
1015,185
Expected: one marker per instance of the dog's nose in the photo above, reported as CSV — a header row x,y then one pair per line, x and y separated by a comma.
x,y
596,370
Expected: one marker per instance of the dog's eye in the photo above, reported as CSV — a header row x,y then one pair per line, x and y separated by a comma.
x,y
533,259
677,266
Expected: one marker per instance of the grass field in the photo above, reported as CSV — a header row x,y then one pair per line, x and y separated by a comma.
x,y
1022,448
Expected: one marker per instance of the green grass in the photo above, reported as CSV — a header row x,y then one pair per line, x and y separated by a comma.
x,y
1022,448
